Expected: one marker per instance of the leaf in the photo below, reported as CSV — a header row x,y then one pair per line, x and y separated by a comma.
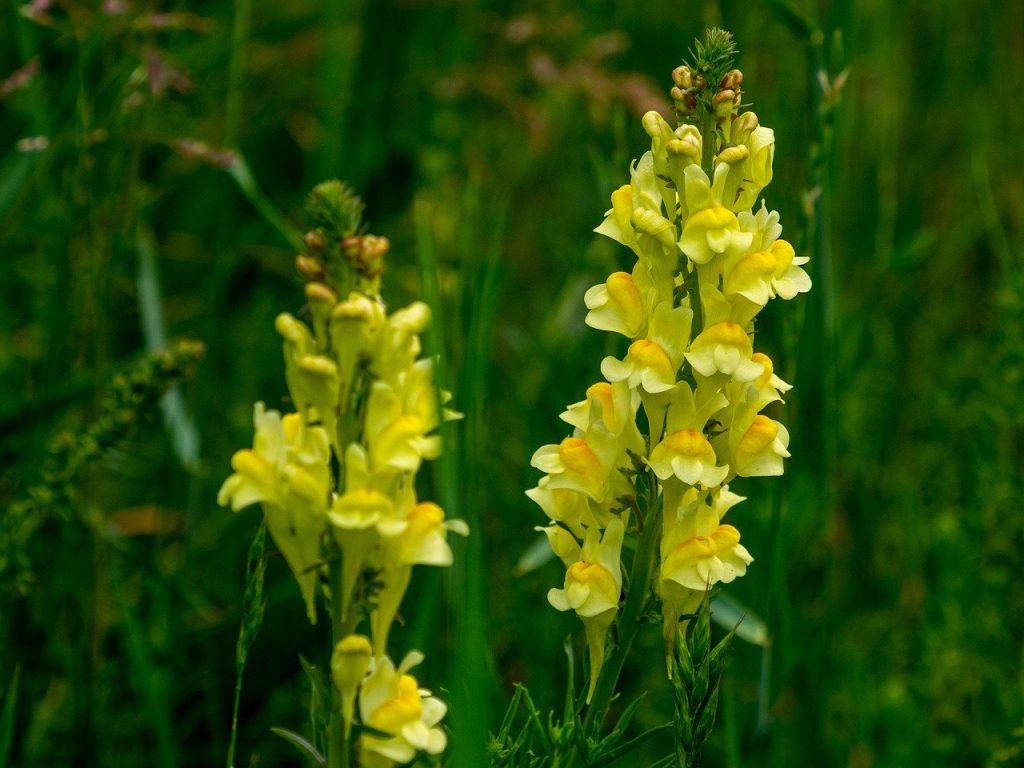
x,y
623,723
253,604
320,697
300,743
707,716
570,685
537,554
510,713
729,613
629,746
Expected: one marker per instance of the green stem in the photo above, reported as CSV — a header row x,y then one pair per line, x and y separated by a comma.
x,y
338,752
709,140
239,667
709,146
629,621
693,288
236,71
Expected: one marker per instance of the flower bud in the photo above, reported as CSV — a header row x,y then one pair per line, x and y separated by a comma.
x,y
732,79
320,295
723,96
684,148
309,268
743,125
315,241
682,76
723,102
733,155
349,664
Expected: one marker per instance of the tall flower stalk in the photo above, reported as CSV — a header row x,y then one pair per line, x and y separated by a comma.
x,y
656,445
336,481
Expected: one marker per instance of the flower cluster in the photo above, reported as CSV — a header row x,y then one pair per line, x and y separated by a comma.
x,y
706,263
362,393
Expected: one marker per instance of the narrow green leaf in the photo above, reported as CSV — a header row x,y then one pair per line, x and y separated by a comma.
x,y
707,717
319,698
179,423
570,685
7,718
539,553
253,604
239,171
626,747
301,743
510,713
730,613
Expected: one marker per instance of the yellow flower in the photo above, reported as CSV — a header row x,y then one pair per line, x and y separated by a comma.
x,y
751,276
651,363
697,551
685,452
673,150
422,540
312,377
711,229
353,326
398,342
580,463
704,560
391,702
752,171
592,589
760,449
614,405
647,218
616,224
789,279
621,303
560,504
350,662
562,543
399,418
724,348
286,471
766,388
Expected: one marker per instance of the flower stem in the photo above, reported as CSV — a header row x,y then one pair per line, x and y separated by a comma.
x,y
338,751
629,621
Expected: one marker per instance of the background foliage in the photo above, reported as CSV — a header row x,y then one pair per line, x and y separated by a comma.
x,y
486,137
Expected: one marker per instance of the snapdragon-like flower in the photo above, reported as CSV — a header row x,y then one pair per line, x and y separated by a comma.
x,y
706,264
287,472
711,229
685,452
392,703
592,588
697,551
651,363
363,393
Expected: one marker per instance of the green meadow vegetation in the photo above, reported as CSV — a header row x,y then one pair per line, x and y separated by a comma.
x,y
154,164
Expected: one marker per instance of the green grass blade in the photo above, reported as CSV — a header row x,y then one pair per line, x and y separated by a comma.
x,y
7,719
300,743
239,171
180,425
253,605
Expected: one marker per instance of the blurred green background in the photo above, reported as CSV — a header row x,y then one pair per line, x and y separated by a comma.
x,y
486,137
